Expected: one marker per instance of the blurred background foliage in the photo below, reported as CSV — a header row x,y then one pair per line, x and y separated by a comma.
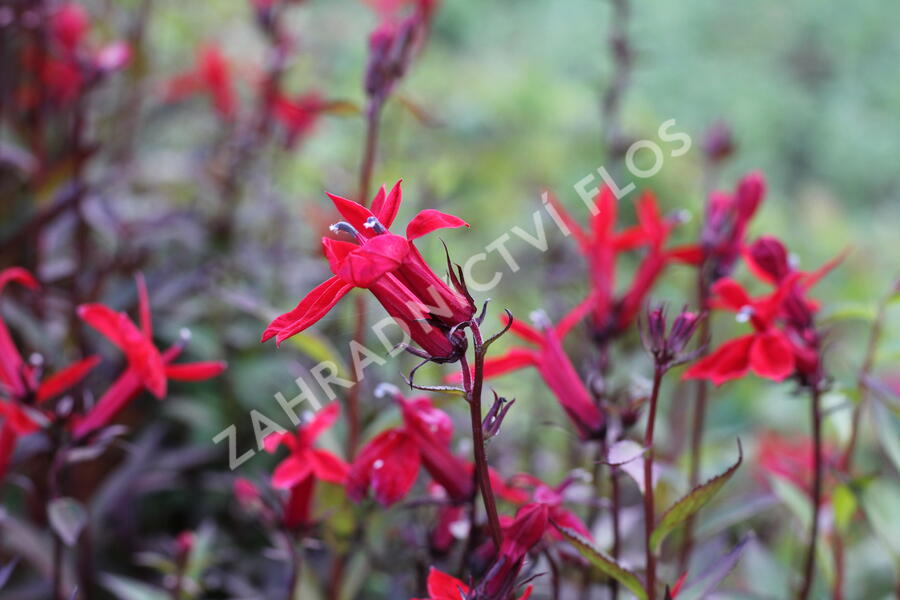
x,y
503,103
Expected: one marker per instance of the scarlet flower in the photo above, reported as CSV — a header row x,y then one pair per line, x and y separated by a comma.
x,y
68,24
391,268
557,371
211,75
148,368
552,498
298,115
446,587
22,392
305,464
768,351
523,534
601,247
389,463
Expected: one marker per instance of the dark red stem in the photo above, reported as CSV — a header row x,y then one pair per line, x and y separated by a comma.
x,y
809,565
649,510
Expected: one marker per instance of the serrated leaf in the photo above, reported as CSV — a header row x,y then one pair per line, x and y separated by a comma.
x,y
692,502
68,518
602,562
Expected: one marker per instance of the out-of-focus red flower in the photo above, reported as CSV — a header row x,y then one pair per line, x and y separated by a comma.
x,y
446,587
725,224
791,458
22,391
551,361
297,115
389,463
519,537
718,142
69,24
305,464
601,247
210,75
553,498
391,268
148,368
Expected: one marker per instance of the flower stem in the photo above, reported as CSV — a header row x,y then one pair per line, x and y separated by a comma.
x,y
473,384
649,510
810,561
697,426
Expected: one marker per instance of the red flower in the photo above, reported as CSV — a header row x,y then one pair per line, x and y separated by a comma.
x,y
792,459
69,24
210,75
446,587
725,224
552,498
391,268
305,464
525,532
557,371
148,368
768,351
21,391
602,245
389,464
298,115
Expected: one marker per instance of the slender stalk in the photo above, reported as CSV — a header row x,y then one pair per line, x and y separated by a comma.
x,y
473,384
649,510
809,564
837,591
594,510
373,125
697,427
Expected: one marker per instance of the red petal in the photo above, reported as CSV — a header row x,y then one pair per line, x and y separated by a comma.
x,y
324,419
298,508
813,277
574,317
380,255
429,220
110,403
144,357
569,519
604,219
689,255
445,587
772,356
195,371
577,232
273,440
651,221
312,308
513,360
388,464
8,438
327,466
19,275
731,294
62,380
289,472
730,361
105,320
355,213
386,208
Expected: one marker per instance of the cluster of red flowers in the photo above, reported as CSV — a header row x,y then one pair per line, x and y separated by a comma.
x,y
26,397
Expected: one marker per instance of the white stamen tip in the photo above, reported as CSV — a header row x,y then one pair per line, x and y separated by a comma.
x,y
386,389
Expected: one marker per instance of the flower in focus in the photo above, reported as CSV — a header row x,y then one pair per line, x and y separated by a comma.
x,y
390,267
305,464
148,368
389,463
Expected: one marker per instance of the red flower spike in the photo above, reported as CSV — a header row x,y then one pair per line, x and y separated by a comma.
x,y
391,267
446,587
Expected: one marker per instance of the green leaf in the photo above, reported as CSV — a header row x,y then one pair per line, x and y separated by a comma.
x,y
843,502
604,563
851,312
692,502
68,518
